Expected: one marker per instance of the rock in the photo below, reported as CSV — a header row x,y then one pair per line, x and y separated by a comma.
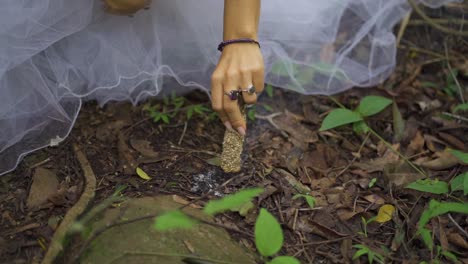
x,y
139,242
44,185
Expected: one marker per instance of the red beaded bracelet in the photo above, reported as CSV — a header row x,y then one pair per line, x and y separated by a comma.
x,y
241,40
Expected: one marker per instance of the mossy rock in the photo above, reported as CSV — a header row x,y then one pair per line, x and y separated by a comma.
x,y
139,242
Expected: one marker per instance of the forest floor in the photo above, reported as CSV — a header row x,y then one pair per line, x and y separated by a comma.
x,y
350,175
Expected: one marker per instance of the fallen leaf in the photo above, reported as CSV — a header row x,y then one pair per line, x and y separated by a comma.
x,y
452,140
142,174
374,199
144,148
398,123
126,156
290,123
346,214
385,213
444,160
400,174
107,132
44,185
458,240
299,187
416,145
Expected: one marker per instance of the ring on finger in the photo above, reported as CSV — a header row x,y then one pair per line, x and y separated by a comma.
x,y
250,90
233,94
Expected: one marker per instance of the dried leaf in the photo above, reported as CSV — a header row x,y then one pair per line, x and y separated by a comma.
x,y
398,123
144,147
416,145
44,185
444,160
385,213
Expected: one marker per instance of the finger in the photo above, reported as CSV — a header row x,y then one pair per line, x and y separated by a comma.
x,y
246,82
217,91
258,78
231,108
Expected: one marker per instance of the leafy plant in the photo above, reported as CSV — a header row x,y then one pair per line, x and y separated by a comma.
x,y
371,255
364,225
430,186
460,108
369,105
460,183
269,90
435,209
172,106
268,233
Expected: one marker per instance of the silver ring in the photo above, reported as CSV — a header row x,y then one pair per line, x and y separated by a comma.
x,y
250,90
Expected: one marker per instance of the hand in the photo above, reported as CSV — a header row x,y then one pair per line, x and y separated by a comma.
x,y
240,66
125,7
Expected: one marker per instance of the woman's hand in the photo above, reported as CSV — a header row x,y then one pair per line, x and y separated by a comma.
x,y
240,66
125,7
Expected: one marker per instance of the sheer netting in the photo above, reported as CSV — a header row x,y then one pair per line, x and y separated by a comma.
x,y
56,53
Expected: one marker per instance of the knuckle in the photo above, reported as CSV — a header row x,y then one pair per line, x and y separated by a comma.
x,y
216,77
232,74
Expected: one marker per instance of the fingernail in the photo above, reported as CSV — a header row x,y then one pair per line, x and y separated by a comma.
x,y
241,131
228,125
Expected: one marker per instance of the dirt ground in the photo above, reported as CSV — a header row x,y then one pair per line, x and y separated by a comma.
x,y
350,175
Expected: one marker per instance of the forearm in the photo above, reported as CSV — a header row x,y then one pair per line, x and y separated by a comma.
x,y
241,19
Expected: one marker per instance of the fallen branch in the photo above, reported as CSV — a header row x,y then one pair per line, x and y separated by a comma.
x,y
56,245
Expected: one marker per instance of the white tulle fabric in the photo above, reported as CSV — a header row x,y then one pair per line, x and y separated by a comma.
x,y
56,53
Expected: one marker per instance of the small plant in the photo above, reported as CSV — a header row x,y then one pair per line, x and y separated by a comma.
x,y
371,255
369,106
364,225
268,233
172,106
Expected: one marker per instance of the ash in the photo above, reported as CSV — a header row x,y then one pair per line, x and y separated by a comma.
x,y
204,183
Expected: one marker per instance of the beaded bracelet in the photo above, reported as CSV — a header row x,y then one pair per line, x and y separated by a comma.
x,y
241,40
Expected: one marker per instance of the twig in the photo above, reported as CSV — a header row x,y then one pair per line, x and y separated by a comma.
x,y
433,23
460,91
439,21
56,245
458,226
461,118
157,254
183,134
402,29
269,118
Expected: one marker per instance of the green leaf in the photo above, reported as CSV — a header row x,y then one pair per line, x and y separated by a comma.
x,y
449,255
173,220
462,156
284,260
284,68
309,199
269,90
268,234
460,183
190,112
435,209
371,105
165,118
429,85
461,107
268,108
372,182
156,116
360,127
251,114
231,201
339,117
430,186
360,252
370,257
